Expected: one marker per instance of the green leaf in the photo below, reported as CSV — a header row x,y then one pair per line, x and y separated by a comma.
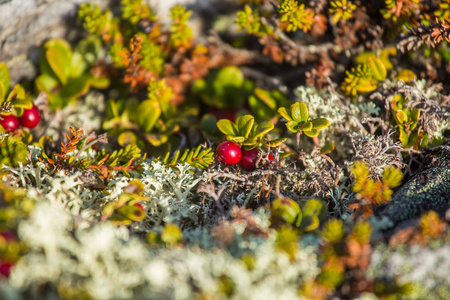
x,y
299,112
262,104
4,81
287,210
245,125
292,126
320,123
209,124
307,126
313,211
75,88
415,113
404,138
264,128
311,133
377,67
108,210
59,57
18,92
99,82
149,113
131,212
2,93
401,117
304,112
46,83
228,87
236,139
227,127
77,65
284,113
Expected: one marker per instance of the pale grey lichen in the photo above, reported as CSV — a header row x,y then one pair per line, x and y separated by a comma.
x,y
427,268
106,263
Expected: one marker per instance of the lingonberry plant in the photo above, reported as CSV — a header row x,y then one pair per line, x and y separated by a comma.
x,y
282,148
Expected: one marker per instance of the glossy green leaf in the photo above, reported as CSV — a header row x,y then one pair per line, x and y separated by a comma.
x,y
415,114
59,57
277,142
401,117
320,123
284,113
18,92
292,126
299,112
236,139
404,138
311,133
149,113
264,128
227,127
307,126
245,125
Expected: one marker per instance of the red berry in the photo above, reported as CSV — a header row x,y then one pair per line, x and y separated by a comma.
x,y
249,158
5,268
228,153
271,160
10,123
30,117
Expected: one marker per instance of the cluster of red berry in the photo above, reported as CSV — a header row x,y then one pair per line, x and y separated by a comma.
x,y
29,119
230,154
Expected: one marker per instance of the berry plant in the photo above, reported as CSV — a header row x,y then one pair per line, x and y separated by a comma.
x,y
257,149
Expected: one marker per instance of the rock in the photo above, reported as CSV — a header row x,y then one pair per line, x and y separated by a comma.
x,y
26,24
429,189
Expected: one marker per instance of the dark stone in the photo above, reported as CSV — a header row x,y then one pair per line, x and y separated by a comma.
x,y
429,189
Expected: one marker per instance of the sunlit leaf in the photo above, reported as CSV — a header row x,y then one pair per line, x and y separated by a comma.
x,y
149,113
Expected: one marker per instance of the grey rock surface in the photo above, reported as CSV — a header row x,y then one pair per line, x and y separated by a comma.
x,y
429,189
26,24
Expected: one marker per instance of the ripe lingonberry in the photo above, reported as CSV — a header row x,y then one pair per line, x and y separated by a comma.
x,y
249,158
10,123
30,117
271,160
228,153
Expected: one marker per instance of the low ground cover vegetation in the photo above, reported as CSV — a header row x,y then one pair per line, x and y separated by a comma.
x,y
290,150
